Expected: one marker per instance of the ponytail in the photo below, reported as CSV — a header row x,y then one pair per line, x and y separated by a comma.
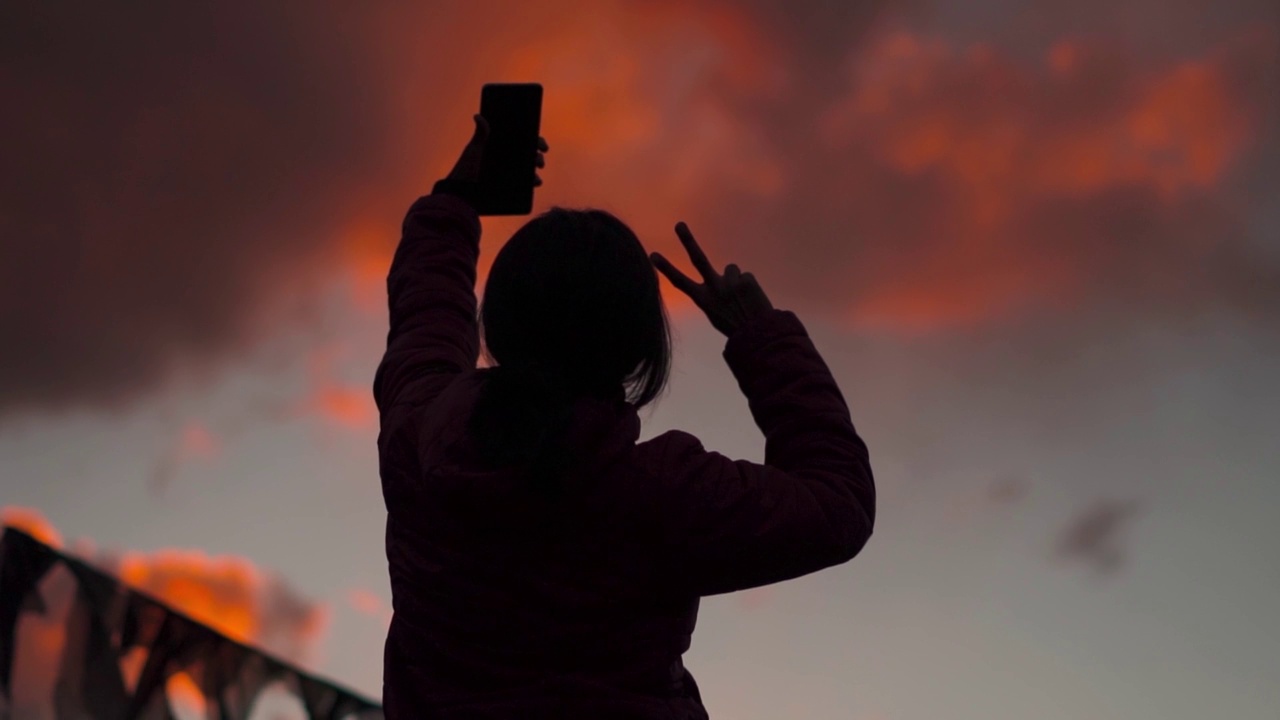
x,y
521,419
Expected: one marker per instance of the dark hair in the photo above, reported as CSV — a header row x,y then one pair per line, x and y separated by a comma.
x,y
571,309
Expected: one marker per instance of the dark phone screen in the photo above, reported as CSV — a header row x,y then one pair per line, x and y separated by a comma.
x,y
514,112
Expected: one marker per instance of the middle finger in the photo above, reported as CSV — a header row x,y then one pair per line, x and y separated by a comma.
x,y
696,255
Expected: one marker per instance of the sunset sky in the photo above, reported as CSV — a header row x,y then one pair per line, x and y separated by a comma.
x,y
1038,243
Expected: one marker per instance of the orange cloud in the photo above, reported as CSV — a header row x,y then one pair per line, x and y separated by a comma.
x,y
640,114
217,592
349,406
230,594
998,129
638,111
327,397
366,602
942,187
978,186
198,441
344,404
32,522
185,696
949,187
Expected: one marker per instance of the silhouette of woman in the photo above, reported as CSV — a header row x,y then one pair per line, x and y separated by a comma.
x,y
543,562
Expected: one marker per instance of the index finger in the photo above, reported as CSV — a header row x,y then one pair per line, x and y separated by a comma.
x,y
682,282
696,255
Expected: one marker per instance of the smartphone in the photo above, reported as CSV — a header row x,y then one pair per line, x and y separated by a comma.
x,y
514,112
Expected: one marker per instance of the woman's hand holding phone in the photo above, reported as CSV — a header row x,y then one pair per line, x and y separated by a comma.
x,y
466,171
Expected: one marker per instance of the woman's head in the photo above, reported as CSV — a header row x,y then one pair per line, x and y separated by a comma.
x,y
573,294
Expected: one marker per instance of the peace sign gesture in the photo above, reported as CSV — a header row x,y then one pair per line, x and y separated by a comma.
x,y
728,300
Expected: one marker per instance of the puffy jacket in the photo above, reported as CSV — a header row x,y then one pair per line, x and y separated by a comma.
x,y
508,606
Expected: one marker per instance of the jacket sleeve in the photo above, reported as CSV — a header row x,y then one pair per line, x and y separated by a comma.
x,y
433,335
733,524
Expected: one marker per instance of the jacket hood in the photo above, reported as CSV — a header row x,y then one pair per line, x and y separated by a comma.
x,y
601,432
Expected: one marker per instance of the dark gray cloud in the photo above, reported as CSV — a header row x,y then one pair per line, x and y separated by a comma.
x,y
169,167
1095,536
